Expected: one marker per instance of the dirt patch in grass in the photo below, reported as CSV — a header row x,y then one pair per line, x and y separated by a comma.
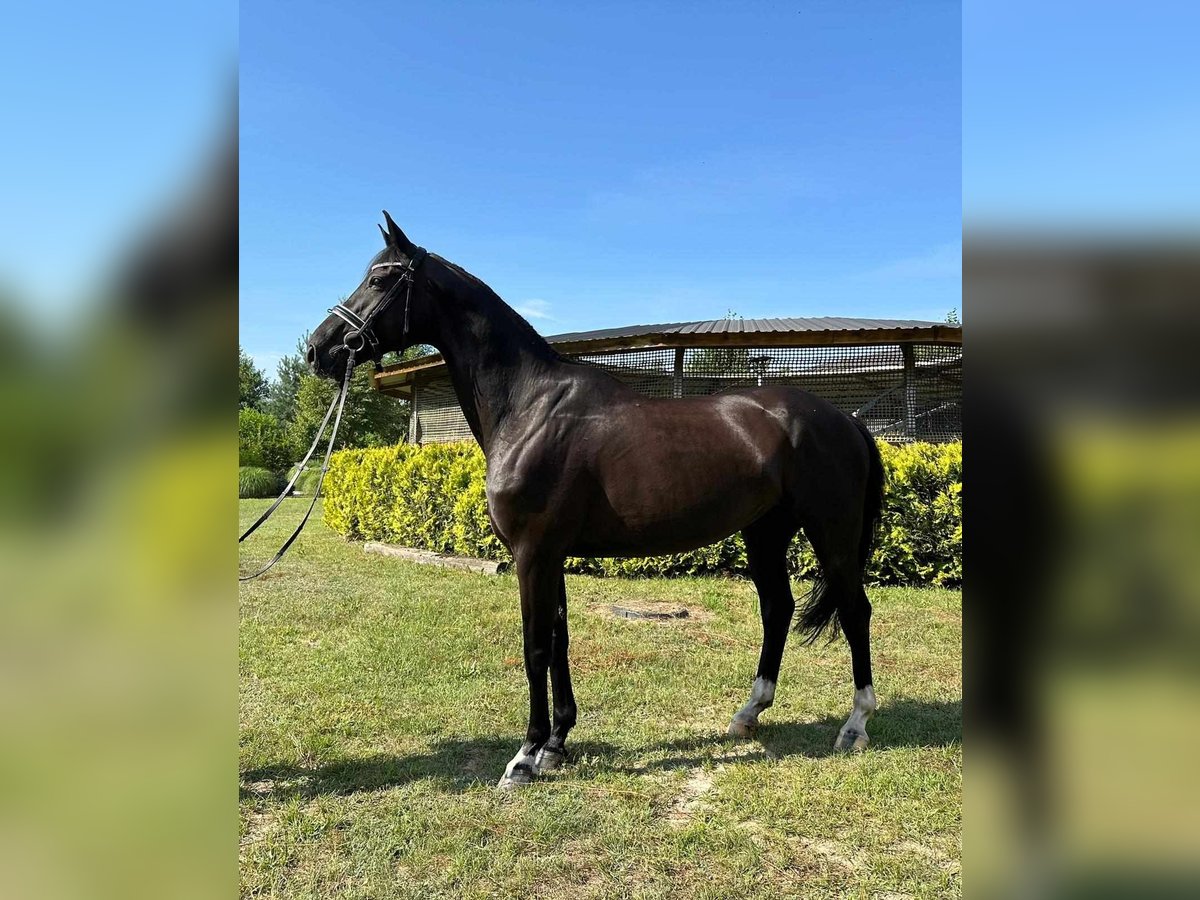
x,y
830,852
259,826
659,612
691,799
932,854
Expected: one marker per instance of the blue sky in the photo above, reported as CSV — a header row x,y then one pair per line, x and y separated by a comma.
x,y
1082,116
599,167
109,112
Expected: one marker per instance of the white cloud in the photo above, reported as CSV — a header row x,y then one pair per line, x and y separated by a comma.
x,y
535,309
266,361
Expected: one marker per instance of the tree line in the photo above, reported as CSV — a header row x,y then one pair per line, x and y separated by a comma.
x,y
277,419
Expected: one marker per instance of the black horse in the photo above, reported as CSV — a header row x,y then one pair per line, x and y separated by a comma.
x,y
579,464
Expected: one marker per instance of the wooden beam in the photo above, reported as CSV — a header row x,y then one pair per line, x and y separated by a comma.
x,y
948,334
397,379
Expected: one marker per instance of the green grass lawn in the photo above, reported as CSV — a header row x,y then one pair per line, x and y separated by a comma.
x,y
380,701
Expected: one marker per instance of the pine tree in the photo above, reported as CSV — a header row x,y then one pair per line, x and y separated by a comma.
x,y
281,397
252,383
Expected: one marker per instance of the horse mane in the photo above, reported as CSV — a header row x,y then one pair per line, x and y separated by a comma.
x,y
481,290
478,289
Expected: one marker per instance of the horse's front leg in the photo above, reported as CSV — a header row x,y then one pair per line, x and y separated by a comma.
x,y
553,752
539,580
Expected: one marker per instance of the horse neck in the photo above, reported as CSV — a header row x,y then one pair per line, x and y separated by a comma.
x,y
492,355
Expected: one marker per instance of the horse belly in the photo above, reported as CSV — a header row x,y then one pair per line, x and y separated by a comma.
x,y
648,510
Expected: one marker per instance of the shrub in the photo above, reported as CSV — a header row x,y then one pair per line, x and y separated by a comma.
x,y
262,442
433,497
254,481
307,482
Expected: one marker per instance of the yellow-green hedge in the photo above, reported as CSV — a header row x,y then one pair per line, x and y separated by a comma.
x,y
432,497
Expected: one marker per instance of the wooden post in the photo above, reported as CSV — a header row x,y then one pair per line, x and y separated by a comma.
x,y
412,415
677,381
910,390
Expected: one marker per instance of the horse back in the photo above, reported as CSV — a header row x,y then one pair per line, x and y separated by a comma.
x,y
637,476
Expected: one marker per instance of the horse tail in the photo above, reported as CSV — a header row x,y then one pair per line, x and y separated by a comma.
x,y
818,615
819,612
873,502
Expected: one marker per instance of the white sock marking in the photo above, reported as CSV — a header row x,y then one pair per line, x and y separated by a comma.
x,y
521,757
864,707
762,695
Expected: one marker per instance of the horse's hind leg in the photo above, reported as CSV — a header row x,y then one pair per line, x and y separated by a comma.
x,y
840,591
766,548
855,616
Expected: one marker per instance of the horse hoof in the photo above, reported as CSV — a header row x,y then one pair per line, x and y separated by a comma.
x,y
851,741
515,780
741,728
549,760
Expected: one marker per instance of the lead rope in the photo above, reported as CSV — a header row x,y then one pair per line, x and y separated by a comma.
x,y
340,402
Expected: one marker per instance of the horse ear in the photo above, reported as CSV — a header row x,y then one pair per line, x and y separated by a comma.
x,y
387,241
396,237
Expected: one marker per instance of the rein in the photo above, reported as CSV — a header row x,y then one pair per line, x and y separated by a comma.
x,y
362,334
339,401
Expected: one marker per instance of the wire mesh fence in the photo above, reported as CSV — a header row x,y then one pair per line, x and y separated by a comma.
x,y
903,392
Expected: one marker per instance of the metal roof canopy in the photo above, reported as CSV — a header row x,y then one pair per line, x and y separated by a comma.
x,y
397,380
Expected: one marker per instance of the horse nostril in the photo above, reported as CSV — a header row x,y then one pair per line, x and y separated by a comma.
x,y
312,356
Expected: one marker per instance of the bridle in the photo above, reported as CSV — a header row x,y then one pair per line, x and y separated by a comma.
x,y
360,331
355,341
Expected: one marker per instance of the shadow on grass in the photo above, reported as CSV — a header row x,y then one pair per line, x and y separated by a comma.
x,y
902,722
460,765
898,724
455,766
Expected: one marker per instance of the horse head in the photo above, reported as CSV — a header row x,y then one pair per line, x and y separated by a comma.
x,y
386,312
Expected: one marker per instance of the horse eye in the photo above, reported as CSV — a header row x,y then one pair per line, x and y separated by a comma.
x,y
376,281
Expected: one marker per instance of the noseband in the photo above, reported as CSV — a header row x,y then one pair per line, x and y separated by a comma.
x,y
360,334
